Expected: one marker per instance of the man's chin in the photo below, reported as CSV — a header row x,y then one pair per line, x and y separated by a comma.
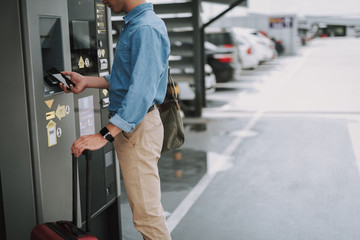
x,y
116,11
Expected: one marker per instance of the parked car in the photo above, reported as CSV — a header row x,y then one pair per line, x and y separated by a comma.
x,y
279,46
265,43
186,89
225,39
247,53
183,74
179,73
221,61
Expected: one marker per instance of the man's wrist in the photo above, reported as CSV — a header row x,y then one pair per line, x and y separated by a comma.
x,y
105,133
114,130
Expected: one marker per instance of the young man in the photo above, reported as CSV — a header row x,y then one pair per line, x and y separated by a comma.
x,y
137,84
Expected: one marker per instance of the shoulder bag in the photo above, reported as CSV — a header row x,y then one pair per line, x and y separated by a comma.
x,y
174,136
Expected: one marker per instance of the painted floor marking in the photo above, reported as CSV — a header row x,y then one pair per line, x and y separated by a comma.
x,y
354,131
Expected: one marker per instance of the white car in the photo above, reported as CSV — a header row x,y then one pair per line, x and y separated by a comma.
x,y
186,90
265,47
270,45
248,51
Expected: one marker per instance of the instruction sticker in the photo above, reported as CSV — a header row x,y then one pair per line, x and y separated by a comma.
x,y
51,133
87,62
58,132
67,109
86,115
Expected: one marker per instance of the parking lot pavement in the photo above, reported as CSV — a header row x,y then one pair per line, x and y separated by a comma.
x,y
275,156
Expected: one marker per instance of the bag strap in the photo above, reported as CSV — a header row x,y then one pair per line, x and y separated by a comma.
x,y
171,85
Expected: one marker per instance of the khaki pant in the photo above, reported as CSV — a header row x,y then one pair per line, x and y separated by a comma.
x,y
138,153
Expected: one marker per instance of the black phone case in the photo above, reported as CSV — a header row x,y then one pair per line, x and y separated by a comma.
x,y
53,79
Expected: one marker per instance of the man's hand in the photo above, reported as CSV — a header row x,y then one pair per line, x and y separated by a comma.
x,y
79,81
90,142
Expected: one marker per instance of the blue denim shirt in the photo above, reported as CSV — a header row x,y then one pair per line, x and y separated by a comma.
x,y
140,69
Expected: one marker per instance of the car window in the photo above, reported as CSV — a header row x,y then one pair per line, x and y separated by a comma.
x,y
210,46
219,39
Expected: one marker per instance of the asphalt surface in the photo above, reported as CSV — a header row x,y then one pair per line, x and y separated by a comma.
x,y
276,155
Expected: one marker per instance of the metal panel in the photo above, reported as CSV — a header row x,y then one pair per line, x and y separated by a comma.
x,y
52,163
179,22
184,50
183,36
15,154
185,62
171,8
198,60
2,217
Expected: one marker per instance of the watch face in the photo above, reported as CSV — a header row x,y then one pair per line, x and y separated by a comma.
x,y
109,137
106,134
104,131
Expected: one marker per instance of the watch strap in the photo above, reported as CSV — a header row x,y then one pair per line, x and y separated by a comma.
x,y
106,134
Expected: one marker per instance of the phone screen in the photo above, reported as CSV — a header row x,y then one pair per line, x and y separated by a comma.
x,y
59,77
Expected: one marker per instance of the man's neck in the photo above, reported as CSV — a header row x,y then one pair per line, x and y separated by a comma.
x,y
131,4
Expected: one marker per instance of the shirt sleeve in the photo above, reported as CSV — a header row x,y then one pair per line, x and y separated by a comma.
x,y
148,62
108,77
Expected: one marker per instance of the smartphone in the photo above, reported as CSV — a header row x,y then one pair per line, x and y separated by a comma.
x,y
56,76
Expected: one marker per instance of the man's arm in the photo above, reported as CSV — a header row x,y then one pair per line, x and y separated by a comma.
x,y
97,82
93,142
83,82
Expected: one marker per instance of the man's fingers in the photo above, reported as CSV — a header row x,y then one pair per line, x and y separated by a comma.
x,y
65,89
67,73
73,89
78,147
77,151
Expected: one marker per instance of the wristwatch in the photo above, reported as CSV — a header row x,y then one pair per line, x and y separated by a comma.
x,y
106,134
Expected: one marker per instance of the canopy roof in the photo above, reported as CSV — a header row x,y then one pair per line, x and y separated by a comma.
x,y
244,3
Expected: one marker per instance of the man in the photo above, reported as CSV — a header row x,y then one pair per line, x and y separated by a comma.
x,y
137,84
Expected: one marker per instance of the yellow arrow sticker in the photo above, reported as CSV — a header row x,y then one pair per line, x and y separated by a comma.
x,y
49,103
81,63
105,92
51,133
60,112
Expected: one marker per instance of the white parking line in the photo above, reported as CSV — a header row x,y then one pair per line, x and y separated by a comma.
x,y
354,131
192,197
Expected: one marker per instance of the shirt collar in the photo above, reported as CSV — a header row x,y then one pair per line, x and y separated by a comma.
x,y
137,11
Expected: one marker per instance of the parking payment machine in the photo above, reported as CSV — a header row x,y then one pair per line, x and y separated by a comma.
x,y
40,122
90,56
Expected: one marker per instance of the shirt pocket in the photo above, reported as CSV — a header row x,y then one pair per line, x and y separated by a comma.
x,y
122,52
